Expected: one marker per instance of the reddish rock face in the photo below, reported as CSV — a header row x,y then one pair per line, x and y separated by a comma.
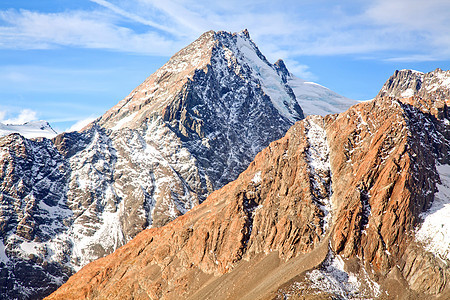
x,y
384,156
345,188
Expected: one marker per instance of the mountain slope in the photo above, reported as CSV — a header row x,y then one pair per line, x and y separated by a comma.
x,y
358,182
188,129
315,99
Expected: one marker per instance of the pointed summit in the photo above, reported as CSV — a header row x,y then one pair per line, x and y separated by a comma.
x,y
246,33
224,54
282,70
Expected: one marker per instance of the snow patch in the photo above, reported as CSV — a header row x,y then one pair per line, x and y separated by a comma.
x,y
319,162
435,230
109,236
413,71
121,123
408,93
257,178
318,150
3,257
332,278
30,247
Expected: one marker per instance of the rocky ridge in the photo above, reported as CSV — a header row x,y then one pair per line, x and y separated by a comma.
x,y
409,83
333,209
188,129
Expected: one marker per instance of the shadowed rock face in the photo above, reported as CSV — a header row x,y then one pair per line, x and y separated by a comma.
x,y
356,182
187,130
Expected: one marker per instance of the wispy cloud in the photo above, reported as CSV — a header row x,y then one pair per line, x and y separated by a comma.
x,y
33,30
383,29
413,58
423,26
411,14
25,115
135,17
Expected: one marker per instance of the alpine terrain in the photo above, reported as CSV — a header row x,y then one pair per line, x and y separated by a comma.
x,y
353,205
189,129
29,130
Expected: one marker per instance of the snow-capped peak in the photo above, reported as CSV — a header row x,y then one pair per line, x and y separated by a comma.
x,y
270,77
285,90
29,130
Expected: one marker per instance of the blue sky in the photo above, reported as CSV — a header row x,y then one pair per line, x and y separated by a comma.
x,y
69,61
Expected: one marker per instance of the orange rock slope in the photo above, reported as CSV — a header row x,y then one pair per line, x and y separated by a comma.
x,y
337,196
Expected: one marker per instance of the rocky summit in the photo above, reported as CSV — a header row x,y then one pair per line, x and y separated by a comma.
x,y
190,128
408,83
347,206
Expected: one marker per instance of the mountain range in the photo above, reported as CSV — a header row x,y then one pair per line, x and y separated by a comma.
x,y
223,176
189,129
346,206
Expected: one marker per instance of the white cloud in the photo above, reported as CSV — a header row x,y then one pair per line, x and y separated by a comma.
x,y
387,28
80,124
380,28
25,115
413,58
411,14
422,25
32,30
133,16
300,70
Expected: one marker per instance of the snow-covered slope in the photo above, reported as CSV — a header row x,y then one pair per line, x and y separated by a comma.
x,y
434,233
315,99
29,130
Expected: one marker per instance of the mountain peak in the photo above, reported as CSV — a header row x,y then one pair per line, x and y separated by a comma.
x,y
212,51
282,69
246,33
408,83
